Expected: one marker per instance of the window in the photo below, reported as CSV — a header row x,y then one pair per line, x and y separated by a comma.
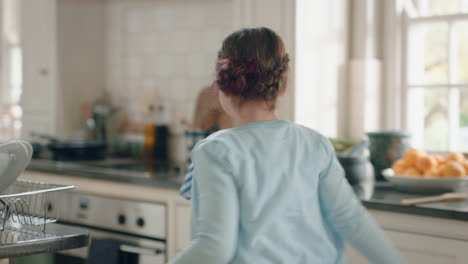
x,y
11,71
436,73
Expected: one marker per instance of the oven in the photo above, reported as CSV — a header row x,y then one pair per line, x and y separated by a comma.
x,y
122,231
132,250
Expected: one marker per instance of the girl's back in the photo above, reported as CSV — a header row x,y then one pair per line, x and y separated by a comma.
x,y
269,191
276,166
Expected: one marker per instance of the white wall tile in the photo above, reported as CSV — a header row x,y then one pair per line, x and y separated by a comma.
x,y
180,41
178,88
195,63
163,69
165,42
196,16
134,21
164,51
163,19
212,39
178,65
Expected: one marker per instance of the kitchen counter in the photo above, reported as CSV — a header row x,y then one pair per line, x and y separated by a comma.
x,y
95,185
378,196
16,241
383,196
177,208
125,171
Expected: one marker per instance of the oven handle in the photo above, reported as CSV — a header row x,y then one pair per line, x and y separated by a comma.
x,y
141,250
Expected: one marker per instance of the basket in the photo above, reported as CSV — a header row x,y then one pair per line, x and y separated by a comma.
x,y
30,203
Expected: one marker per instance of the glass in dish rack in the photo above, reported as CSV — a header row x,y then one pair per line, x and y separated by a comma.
x,y
30,203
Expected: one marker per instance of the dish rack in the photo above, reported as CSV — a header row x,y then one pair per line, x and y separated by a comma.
x,y
30,203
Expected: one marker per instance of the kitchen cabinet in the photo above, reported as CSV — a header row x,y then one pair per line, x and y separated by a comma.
x,y
422,249
182,236
421,239
177,209
37,38
63,55
434,243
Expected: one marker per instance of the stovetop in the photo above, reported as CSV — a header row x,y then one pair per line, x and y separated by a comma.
x,y
116,169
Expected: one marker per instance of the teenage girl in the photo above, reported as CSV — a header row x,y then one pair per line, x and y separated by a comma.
x,y
268,190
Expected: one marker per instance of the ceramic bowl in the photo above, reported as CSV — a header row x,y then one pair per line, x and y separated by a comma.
x,y
424,185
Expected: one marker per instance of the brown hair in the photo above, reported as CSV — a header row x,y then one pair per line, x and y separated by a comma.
x,y
252,64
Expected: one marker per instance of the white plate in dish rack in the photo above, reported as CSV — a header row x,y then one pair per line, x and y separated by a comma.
x,y
424,185
14,157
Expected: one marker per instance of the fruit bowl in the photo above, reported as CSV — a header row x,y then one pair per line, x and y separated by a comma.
x,y
423,184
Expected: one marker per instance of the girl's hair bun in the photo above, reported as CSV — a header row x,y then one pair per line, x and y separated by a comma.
x,y
235,76
252,64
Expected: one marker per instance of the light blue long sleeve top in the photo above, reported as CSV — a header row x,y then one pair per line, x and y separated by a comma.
x,y
274,192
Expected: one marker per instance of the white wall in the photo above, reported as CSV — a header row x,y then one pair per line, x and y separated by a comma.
x,y
321,51
154,52
143,51
279,16
164,51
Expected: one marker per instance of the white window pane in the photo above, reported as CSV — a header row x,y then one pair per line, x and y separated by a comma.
x,y
436,123
415,116
439,7
16,73
463,132
427,54
461,52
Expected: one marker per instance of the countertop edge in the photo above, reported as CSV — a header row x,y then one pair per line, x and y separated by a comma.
x,y
45,246
162,194
416,210
109,188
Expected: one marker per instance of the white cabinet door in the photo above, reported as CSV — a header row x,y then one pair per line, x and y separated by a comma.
x,y
38,35
182,235
354,257
422,249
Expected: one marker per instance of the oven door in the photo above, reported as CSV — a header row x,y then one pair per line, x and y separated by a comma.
x,y
132,250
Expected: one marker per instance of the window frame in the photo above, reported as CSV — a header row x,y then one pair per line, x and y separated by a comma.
x,y
453,88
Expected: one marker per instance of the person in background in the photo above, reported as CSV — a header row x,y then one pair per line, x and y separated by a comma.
x,y
209,117
268,190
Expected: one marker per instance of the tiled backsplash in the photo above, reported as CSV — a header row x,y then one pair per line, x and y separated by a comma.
x,y
163,51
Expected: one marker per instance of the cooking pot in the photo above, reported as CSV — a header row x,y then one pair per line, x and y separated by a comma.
x,y
67,150
77,150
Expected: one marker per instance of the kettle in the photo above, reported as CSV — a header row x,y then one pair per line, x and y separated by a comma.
x,y
96,124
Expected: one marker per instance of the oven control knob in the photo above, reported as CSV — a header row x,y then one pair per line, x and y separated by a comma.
x,y
140,222
121,219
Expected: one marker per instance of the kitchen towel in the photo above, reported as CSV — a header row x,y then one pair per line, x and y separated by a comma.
x,y
186,188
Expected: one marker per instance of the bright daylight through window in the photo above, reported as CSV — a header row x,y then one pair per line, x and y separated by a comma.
x,y
436,73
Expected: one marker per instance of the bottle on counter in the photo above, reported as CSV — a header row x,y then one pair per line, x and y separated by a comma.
x,y
156,138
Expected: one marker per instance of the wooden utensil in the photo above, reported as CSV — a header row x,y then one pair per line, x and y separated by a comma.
x,y
432,199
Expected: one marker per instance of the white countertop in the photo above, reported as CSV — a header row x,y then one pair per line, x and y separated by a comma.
x,y
107,187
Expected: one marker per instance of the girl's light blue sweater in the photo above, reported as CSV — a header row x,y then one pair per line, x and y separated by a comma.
x,y
274,192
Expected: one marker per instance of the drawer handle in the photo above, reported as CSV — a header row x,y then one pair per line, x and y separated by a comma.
x,y
141,250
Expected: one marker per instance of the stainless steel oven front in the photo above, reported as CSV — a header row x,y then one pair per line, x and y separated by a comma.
x,y
133,250
136,229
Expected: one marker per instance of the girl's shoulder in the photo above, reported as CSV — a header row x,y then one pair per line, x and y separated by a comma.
x,y
217,138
